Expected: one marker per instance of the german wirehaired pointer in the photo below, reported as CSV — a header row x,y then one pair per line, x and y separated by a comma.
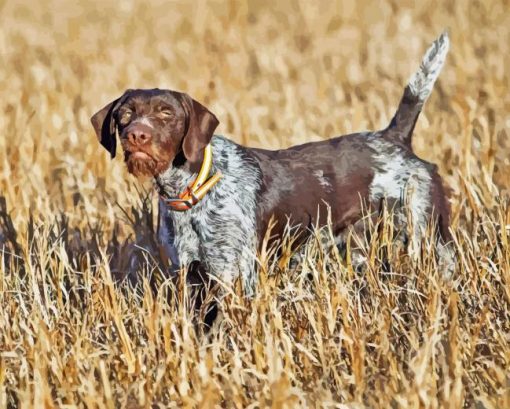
x,y
217,197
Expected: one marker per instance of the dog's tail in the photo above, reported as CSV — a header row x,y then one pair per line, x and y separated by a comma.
x,y
417,91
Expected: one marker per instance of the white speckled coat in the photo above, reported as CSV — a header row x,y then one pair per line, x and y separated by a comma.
x,y
220,231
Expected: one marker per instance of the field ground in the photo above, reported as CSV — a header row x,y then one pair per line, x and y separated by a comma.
x,y
275,74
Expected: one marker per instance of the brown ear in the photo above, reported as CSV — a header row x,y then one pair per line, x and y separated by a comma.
x,y
201,126
105,126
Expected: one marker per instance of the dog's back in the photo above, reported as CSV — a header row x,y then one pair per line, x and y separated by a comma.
x,y
357,170
373,164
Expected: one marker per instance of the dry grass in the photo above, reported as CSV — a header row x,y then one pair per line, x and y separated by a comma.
x,y
276,74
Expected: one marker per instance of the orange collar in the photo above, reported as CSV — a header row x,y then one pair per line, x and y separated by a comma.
x,y
200,186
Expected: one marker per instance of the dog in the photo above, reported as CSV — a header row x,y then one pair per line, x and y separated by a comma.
x,y
217,197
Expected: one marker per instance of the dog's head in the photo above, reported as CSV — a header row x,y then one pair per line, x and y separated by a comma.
x,y
154,127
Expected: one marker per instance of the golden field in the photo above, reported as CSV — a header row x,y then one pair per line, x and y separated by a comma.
x,y
73,223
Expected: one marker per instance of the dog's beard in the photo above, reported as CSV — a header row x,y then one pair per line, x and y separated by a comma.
x,y
141,167
145,167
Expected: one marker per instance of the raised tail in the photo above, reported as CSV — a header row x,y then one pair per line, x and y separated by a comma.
x,y
417,91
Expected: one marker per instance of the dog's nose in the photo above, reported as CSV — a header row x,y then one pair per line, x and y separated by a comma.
x,y
139,137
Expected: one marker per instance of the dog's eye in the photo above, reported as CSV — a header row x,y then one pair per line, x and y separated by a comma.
x,y
165,113
125,117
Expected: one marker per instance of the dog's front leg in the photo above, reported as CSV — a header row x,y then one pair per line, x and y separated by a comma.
x,y
232,255
166,239
179,242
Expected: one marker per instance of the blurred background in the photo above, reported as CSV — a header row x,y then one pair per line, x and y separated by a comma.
x,y
275,74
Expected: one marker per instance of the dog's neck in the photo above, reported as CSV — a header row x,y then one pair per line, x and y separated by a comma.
x,y
175,179
239,173
181,173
